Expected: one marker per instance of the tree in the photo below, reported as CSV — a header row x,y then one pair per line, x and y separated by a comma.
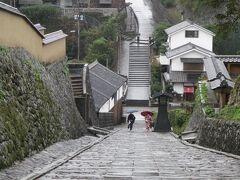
x,y
229,20
48,15
102,51
160,37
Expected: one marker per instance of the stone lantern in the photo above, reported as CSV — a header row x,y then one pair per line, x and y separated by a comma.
x,y
162,123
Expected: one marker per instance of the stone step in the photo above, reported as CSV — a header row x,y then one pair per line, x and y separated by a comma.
x,y
139,83
139,77
76,85
78,89
138,86
140,71
141,53
133,74
144,69
142,49
142,64
139,64
72,76
76,80
132,56
145,81
138,58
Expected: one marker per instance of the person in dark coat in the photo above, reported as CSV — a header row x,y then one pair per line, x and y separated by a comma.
x,y
131,120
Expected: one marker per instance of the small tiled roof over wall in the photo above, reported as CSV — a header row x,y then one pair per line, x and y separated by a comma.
x,y
229,58
217,73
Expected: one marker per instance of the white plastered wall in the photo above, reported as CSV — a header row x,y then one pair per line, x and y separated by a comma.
x,y
204,40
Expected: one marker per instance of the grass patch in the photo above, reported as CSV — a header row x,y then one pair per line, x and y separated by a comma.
x,y
230,113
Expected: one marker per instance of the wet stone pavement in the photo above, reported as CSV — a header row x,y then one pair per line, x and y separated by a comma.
x,y
146,155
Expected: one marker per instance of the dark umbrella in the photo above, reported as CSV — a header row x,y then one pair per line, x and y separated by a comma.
x,y
145,113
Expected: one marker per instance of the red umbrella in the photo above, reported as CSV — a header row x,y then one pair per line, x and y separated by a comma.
x,y
145,113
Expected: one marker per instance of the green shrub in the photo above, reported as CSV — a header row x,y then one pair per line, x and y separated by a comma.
x,y
155,78
209,111
178,119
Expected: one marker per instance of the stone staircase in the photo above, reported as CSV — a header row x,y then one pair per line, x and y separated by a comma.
x,y
139,76
139,67
76,78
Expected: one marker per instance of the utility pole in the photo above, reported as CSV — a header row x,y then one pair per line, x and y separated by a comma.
x,y
80,17
78,34
78,30
107,63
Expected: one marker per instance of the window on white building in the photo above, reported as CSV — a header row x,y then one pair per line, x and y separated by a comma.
x,y
191,34
193,67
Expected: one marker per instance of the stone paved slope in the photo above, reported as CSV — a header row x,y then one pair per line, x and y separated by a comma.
x,y
146,155
45,157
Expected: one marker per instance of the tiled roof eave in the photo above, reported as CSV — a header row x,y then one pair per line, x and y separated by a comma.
x,y
52,37
229,58
194,47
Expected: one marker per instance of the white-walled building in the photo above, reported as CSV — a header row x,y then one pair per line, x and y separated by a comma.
x,y
188,43
189,32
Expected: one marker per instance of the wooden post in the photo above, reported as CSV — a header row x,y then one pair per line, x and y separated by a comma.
x,y
229,67
222,99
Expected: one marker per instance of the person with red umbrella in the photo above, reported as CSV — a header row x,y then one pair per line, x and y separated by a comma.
x,y
148,119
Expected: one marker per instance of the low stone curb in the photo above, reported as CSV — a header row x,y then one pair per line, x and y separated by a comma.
x,y
205,148
63,160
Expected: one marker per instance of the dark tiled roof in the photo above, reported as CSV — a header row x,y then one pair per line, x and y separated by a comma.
x,y
184,77
178,76
15,11
104,82
229,58
185,48
183,25
99,99
217,73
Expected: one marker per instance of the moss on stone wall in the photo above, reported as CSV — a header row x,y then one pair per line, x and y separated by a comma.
x,y
30,118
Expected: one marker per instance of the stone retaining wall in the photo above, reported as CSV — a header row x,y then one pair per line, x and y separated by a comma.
x,y
216,134
37,107
220,135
